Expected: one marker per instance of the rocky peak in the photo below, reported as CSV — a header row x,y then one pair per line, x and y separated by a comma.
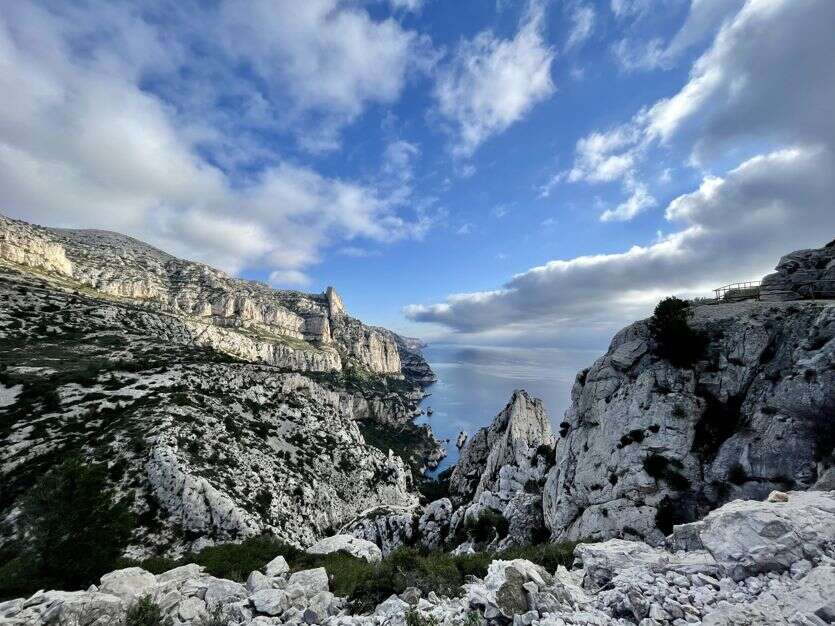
x,y
512,439
336,307
801,275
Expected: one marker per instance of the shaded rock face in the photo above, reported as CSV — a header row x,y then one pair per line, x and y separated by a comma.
x,y
246,319
802,275
645,445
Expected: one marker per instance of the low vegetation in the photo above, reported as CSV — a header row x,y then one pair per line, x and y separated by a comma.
x,y
144,612
75,530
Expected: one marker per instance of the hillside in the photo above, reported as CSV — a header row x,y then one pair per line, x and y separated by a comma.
x,y
222,408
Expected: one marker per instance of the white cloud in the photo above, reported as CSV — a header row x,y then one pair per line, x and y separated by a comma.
x,y
82,144
634,55
412,6
734,228
288,278
630,8
330,57
638,201
747,87
465,229
491,83
703,19
582,25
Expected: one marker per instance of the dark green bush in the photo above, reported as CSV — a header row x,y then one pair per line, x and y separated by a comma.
x,y
144,612
675,340
737,474
75,529
487,525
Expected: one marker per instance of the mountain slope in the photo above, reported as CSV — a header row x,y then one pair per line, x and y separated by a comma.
x,y
222,408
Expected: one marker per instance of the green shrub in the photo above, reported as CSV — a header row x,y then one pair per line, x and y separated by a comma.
x,y
737,474
548,555
236,560
75,528
487,525
415,618
144,612
675,341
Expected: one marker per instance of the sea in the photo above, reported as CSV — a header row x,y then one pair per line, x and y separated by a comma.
x,y
475,383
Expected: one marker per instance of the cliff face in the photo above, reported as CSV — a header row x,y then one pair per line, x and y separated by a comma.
x,y
242,318
646,445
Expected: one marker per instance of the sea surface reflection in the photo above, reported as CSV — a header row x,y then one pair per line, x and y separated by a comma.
x,y
475,383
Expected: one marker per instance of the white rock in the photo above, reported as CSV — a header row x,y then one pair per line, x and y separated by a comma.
x,y
222,591
312,581
270,601
257,581
354,546
277,566
127,583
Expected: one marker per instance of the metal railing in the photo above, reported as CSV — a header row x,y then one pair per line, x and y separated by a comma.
x,y
738,291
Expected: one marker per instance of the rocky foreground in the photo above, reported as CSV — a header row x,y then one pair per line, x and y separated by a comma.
x,y
748,562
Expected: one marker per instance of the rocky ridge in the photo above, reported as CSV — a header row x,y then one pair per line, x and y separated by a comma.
x,y
645,444
246,319
748,562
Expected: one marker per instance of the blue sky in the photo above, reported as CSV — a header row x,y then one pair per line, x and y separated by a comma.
x,y
513,172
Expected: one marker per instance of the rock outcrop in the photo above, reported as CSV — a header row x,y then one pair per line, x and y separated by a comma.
x,y
645,444
738,575
501,471
802,275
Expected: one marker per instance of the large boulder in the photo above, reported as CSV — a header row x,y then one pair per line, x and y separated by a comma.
x,y
747,537
311,581
389,527
360,548
603,561
127,583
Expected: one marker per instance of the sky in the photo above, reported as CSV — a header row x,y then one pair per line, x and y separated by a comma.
x,y
479,172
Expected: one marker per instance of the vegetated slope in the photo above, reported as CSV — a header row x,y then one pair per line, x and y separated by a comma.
x,y
209,440
647,443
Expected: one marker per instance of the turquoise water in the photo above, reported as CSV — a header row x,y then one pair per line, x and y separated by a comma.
x,y
475,383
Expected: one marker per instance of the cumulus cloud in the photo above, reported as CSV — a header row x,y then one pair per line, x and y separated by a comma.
x,y
734,226
490,83
83,143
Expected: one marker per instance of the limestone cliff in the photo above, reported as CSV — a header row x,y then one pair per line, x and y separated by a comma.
x,y
645,444
246,319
